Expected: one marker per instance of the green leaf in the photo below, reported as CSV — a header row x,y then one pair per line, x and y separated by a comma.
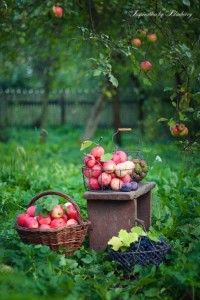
x,y
106,157
146,82
39,209
113,80
86,144
161,61
125,238
49,204
162,120
167,88
153,237
97,72
115,242
173,103
138,230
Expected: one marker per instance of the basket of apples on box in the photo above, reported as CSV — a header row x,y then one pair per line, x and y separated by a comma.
x,y
59,226
117,171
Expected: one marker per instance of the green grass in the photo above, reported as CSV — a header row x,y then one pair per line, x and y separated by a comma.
x,y
29,167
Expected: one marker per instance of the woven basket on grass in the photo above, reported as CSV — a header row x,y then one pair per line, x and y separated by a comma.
x,y
68,238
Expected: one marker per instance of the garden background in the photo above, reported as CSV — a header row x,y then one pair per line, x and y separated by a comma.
x,y
75,77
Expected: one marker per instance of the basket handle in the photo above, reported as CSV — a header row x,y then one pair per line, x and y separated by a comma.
x,y
124,130
47,193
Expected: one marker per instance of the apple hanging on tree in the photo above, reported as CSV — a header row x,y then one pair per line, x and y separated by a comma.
x,y
145,66
57,11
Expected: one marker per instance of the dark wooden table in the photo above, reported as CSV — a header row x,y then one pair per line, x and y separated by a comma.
x,y
111,211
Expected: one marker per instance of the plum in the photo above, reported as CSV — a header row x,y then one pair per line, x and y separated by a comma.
x,y
126,187
134,185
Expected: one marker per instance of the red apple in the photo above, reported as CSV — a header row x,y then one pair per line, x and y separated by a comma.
x,y
126,178
57,11
21,218
57,223
87,172
119,156
97,152
65,217
44,226
174,131
31,210
57,212
44,219
96,170
93,184
71,211
116,184
31,222
104,179
180,126
151,37
71,222
136,42
89,160
109,166
145,66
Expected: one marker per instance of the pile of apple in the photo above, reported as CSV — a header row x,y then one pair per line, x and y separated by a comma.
x,y
112,174
59,216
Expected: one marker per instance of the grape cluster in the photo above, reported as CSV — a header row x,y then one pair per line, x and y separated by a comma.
x,y
144,252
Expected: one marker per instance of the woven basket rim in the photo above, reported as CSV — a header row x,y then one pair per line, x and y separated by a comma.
x,y
49,230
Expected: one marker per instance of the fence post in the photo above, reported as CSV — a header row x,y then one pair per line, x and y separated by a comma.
x,y
62,110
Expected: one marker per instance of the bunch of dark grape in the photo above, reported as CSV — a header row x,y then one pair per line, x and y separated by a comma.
x,y
147,252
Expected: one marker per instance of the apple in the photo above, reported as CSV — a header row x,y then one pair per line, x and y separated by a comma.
x,y
65,217
87,172
71,211
121,170
180,126
57,223
96,170
44,219
113,175
116,184
129,166
104,179
136,42
174,131
31,210
93,183
21,218
109,166
142,33
119,156
145,66
31,222
89,160
57,11
57,212
44,226
97,152
184,132
151,37
71,222
126,178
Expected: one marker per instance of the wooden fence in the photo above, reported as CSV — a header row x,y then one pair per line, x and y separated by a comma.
x,y
22,107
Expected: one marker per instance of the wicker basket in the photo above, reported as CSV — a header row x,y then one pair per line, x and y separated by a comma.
x,y
129,259
69,237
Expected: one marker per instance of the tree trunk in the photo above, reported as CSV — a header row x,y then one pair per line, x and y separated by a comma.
x,y
94,118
